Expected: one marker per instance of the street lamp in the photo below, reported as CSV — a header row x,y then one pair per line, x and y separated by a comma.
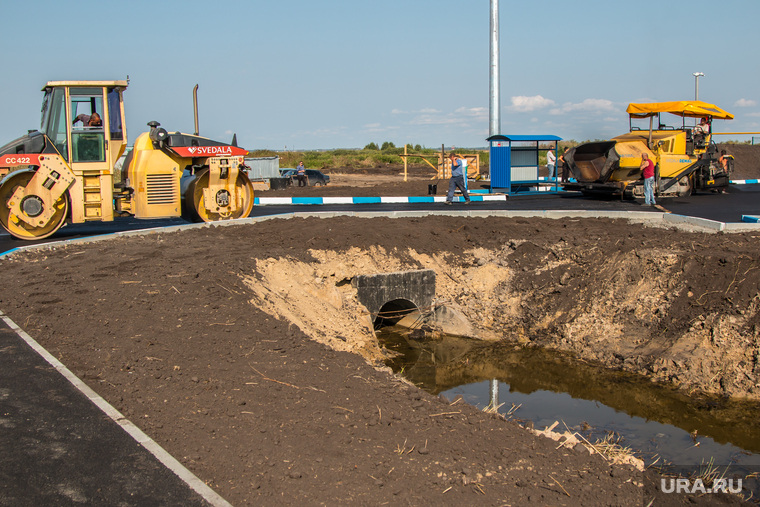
x,y
697,75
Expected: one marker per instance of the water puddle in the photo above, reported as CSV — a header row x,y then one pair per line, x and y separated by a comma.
x,y
544,387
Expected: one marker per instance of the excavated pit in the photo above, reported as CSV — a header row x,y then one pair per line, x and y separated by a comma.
x,y
675,313
201,336
608,315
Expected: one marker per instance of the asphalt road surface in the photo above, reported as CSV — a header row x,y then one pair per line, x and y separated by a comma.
x,y
729,207
60,449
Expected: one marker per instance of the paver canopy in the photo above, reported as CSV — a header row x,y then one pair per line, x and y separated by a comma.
x,y
686,108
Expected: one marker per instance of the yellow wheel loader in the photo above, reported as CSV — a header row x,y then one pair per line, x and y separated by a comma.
x,y
685,157
65,171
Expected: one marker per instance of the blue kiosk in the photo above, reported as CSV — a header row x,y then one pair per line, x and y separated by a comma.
x,y
514,163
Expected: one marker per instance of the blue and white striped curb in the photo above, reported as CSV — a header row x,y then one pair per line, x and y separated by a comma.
x,y
264,201
750,218
474,194
733,182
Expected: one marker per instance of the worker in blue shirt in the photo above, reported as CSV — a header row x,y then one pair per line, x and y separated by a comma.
x,y
301,175
457,179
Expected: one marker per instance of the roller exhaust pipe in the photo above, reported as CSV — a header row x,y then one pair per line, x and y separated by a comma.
x,y
195,109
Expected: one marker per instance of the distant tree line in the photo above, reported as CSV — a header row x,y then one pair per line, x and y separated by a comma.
x,y
373,155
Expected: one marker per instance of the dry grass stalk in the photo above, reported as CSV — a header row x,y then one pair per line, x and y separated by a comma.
x,y
493,409
273,380
610,448
558,484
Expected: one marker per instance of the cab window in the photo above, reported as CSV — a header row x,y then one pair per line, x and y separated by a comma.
x,y
114,115
54,120
87,133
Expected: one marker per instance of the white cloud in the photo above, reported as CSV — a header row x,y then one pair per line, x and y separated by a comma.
x,y
752,114
472,112
427,119
591,105
460,116
524,104
745,103
377,128
427,110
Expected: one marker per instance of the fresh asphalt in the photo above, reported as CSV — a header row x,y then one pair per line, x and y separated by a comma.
x,y
59,448
739,200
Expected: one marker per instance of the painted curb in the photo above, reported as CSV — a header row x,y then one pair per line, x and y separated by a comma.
x,y
545,185
269,201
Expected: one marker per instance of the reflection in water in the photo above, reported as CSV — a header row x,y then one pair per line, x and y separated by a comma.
x,y
549,386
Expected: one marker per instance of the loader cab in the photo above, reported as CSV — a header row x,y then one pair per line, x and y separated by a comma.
x,y
90,148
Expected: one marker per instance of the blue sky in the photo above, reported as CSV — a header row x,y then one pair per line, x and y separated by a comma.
x,y
339,74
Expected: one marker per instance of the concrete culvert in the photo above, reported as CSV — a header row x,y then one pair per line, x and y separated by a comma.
x,y
393,311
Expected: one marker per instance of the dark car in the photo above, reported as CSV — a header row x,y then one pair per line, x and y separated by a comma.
x,y
315,178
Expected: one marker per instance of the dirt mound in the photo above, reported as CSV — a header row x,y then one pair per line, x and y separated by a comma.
x,y
229,346
746,160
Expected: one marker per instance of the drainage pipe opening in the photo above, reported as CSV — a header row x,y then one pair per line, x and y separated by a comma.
x,y
393,311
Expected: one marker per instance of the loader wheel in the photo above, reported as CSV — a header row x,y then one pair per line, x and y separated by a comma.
x,y
194,210
32,206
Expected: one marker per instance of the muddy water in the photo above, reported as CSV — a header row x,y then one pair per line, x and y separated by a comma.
x,y
543,387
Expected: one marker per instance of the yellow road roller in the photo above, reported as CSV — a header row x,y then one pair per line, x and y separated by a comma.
x,y
67,170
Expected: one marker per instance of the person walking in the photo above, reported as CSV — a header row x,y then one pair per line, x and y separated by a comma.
x,y
457,179
647,171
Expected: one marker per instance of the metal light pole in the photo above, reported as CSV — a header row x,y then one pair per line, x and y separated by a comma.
x,y
494,113
697,75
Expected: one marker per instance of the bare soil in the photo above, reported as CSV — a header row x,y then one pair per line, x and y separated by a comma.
x,y
244,352
746,160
